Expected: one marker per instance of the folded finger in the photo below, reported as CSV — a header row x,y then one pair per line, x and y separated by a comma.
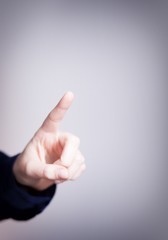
x,y
70,145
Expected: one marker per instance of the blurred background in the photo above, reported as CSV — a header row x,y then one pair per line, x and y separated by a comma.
x,y
113,56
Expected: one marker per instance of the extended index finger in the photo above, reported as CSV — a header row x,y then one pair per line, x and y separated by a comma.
x,y
54,118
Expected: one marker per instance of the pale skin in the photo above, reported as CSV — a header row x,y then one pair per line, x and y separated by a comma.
x,y
51,156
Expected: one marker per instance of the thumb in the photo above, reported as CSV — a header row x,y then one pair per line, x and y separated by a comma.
x,y
47,171
55,172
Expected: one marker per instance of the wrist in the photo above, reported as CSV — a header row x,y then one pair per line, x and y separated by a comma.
x,y
19,172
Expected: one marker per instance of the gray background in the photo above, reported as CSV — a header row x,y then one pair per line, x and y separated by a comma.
x,y
113,57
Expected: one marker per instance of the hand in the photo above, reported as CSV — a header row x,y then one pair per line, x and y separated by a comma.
x,y
51,156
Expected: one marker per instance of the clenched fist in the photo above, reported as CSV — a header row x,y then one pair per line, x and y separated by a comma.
x,y
51,156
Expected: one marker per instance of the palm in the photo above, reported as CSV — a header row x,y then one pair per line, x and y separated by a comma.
x,y
48,148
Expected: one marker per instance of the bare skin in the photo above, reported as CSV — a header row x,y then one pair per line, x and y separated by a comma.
x,y
51,156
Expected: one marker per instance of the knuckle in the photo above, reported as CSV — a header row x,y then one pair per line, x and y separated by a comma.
x,y
65,163
79,157
83,167
73,138
68,135
76,140
82,159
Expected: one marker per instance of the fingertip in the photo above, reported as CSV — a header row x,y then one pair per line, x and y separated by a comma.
x,y
63,174
70,95
54,172
49,173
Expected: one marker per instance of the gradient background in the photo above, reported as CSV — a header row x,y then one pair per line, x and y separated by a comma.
x,y
113,56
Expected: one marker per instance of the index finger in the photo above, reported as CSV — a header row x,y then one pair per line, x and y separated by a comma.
x,y
54,118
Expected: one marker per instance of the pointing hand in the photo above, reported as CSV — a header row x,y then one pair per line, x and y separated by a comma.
x,y
51,156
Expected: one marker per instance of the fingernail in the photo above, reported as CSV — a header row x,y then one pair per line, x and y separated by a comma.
x,y
63,173
49,174
70,94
